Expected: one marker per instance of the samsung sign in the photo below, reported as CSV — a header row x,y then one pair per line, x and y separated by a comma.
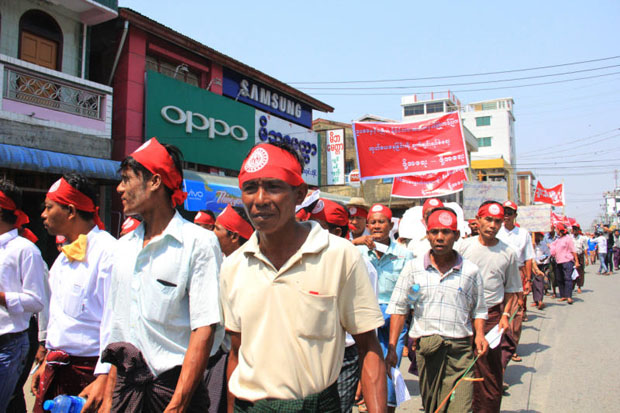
x,y
266,98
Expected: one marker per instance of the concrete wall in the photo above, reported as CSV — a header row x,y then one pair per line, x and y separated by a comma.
x,y
10,14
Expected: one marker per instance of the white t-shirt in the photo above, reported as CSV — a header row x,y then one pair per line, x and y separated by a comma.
x,y
601,242
520,240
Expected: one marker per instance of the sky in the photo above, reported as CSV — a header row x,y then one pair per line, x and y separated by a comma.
x,y
567,131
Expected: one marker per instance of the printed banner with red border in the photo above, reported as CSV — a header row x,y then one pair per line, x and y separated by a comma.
x,y
386,150
429,185
553,196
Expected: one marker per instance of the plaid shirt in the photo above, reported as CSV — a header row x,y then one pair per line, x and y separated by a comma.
x,y
447,303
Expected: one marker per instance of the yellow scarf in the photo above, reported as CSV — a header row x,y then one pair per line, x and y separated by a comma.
x,y
76,251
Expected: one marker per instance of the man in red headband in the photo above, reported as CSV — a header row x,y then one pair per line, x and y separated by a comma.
x,y
23,290
79,282
389,258
205,219
500,274
289,294
420,245
358,214
448,308
520,240
164,291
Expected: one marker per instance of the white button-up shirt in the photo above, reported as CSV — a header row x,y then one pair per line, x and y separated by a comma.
x,y
77,320
23,279
164,290
520,240
447,303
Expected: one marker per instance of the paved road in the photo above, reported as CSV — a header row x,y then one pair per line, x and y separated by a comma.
x,y
570,355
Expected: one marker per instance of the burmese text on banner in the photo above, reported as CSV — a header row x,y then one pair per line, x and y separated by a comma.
x,y
559,219
553,196
387,150
429,185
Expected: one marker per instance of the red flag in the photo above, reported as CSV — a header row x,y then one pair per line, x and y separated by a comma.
x,y
387,150
559,219
553,196
429,185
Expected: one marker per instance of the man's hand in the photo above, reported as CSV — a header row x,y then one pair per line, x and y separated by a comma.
x,y
94,393
503,323
527,288
41,353
482,345
365,240
538,272
391,360
36,377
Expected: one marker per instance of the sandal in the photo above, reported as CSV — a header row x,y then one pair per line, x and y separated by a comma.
x,y
516,358
361,407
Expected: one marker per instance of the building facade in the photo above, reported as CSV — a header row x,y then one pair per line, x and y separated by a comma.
x,y
53,117
526,187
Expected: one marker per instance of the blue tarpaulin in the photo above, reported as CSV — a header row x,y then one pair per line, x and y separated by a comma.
x,y
20,157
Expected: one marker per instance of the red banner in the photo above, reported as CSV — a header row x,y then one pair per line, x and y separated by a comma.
x,y
429,185
560,219
553,196
387,150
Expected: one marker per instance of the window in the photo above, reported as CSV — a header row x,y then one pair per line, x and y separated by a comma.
x,y
434,107
483,121
483,142
40,39
414,110
489,105
178,72
349,165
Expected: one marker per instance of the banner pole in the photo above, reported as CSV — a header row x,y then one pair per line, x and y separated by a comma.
x,y
563,199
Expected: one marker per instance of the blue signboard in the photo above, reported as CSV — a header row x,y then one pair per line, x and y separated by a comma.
x,y
266,98
213,197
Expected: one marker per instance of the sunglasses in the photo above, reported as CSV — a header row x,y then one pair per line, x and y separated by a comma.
x,y
509,212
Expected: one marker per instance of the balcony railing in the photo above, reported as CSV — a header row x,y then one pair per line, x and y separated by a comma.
x,y
40,90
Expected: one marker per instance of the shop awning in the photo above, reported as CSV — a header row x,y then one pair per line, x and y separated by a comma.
x,y
20,157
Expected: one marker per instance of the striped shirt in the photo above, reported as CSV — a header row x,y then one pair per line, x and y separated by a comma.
x,y
447,303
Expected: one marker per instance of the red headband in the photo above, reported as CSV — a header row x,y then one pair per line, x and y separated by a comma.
x,y
430,204
494,210
129,225
302,215
442,219
356,211
22,218
330,212
203,218
269,161
154,157
63,193
232,221
381,209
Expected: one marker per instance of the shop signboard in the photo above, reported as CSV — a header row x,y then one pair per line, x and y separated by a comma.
x,y
266,98
334,148
271,128
213,197
208,128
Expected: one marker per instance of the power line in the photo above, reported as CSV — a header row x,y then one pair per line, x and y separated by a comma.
x,y
472,90
480,82
456,76
596,135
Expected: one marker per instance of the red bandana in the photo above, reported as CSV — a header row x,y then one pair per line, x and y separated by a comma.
x,y
63,193
154,157
430,204
129,225
302,215
330,212
205,219
232,221
356,211
269,161
22,218
381,209
494,210
442,219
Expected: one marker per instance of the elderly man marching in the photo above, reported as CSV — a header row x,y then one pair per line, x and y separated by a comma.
x,y
289,294
79,283
450,305
500,275
164,292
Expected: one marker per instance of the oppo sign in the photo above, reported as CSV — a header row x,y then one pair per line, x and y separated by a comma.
x,y
200,122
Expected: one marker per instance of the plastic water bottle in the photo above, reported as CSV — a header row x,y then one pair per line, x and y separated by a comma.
x,y
414,293
64,404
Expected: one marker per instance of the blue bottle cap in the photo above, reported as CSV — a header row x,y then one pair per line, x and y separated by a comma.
x,y
415,288
48,405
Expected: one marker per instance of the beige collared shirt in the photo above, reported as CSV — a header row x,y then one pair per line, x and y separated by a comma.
x,y
293,321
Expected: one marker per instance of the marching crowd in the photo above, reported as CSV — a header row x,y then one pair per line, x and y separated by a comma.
x,y
279,305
